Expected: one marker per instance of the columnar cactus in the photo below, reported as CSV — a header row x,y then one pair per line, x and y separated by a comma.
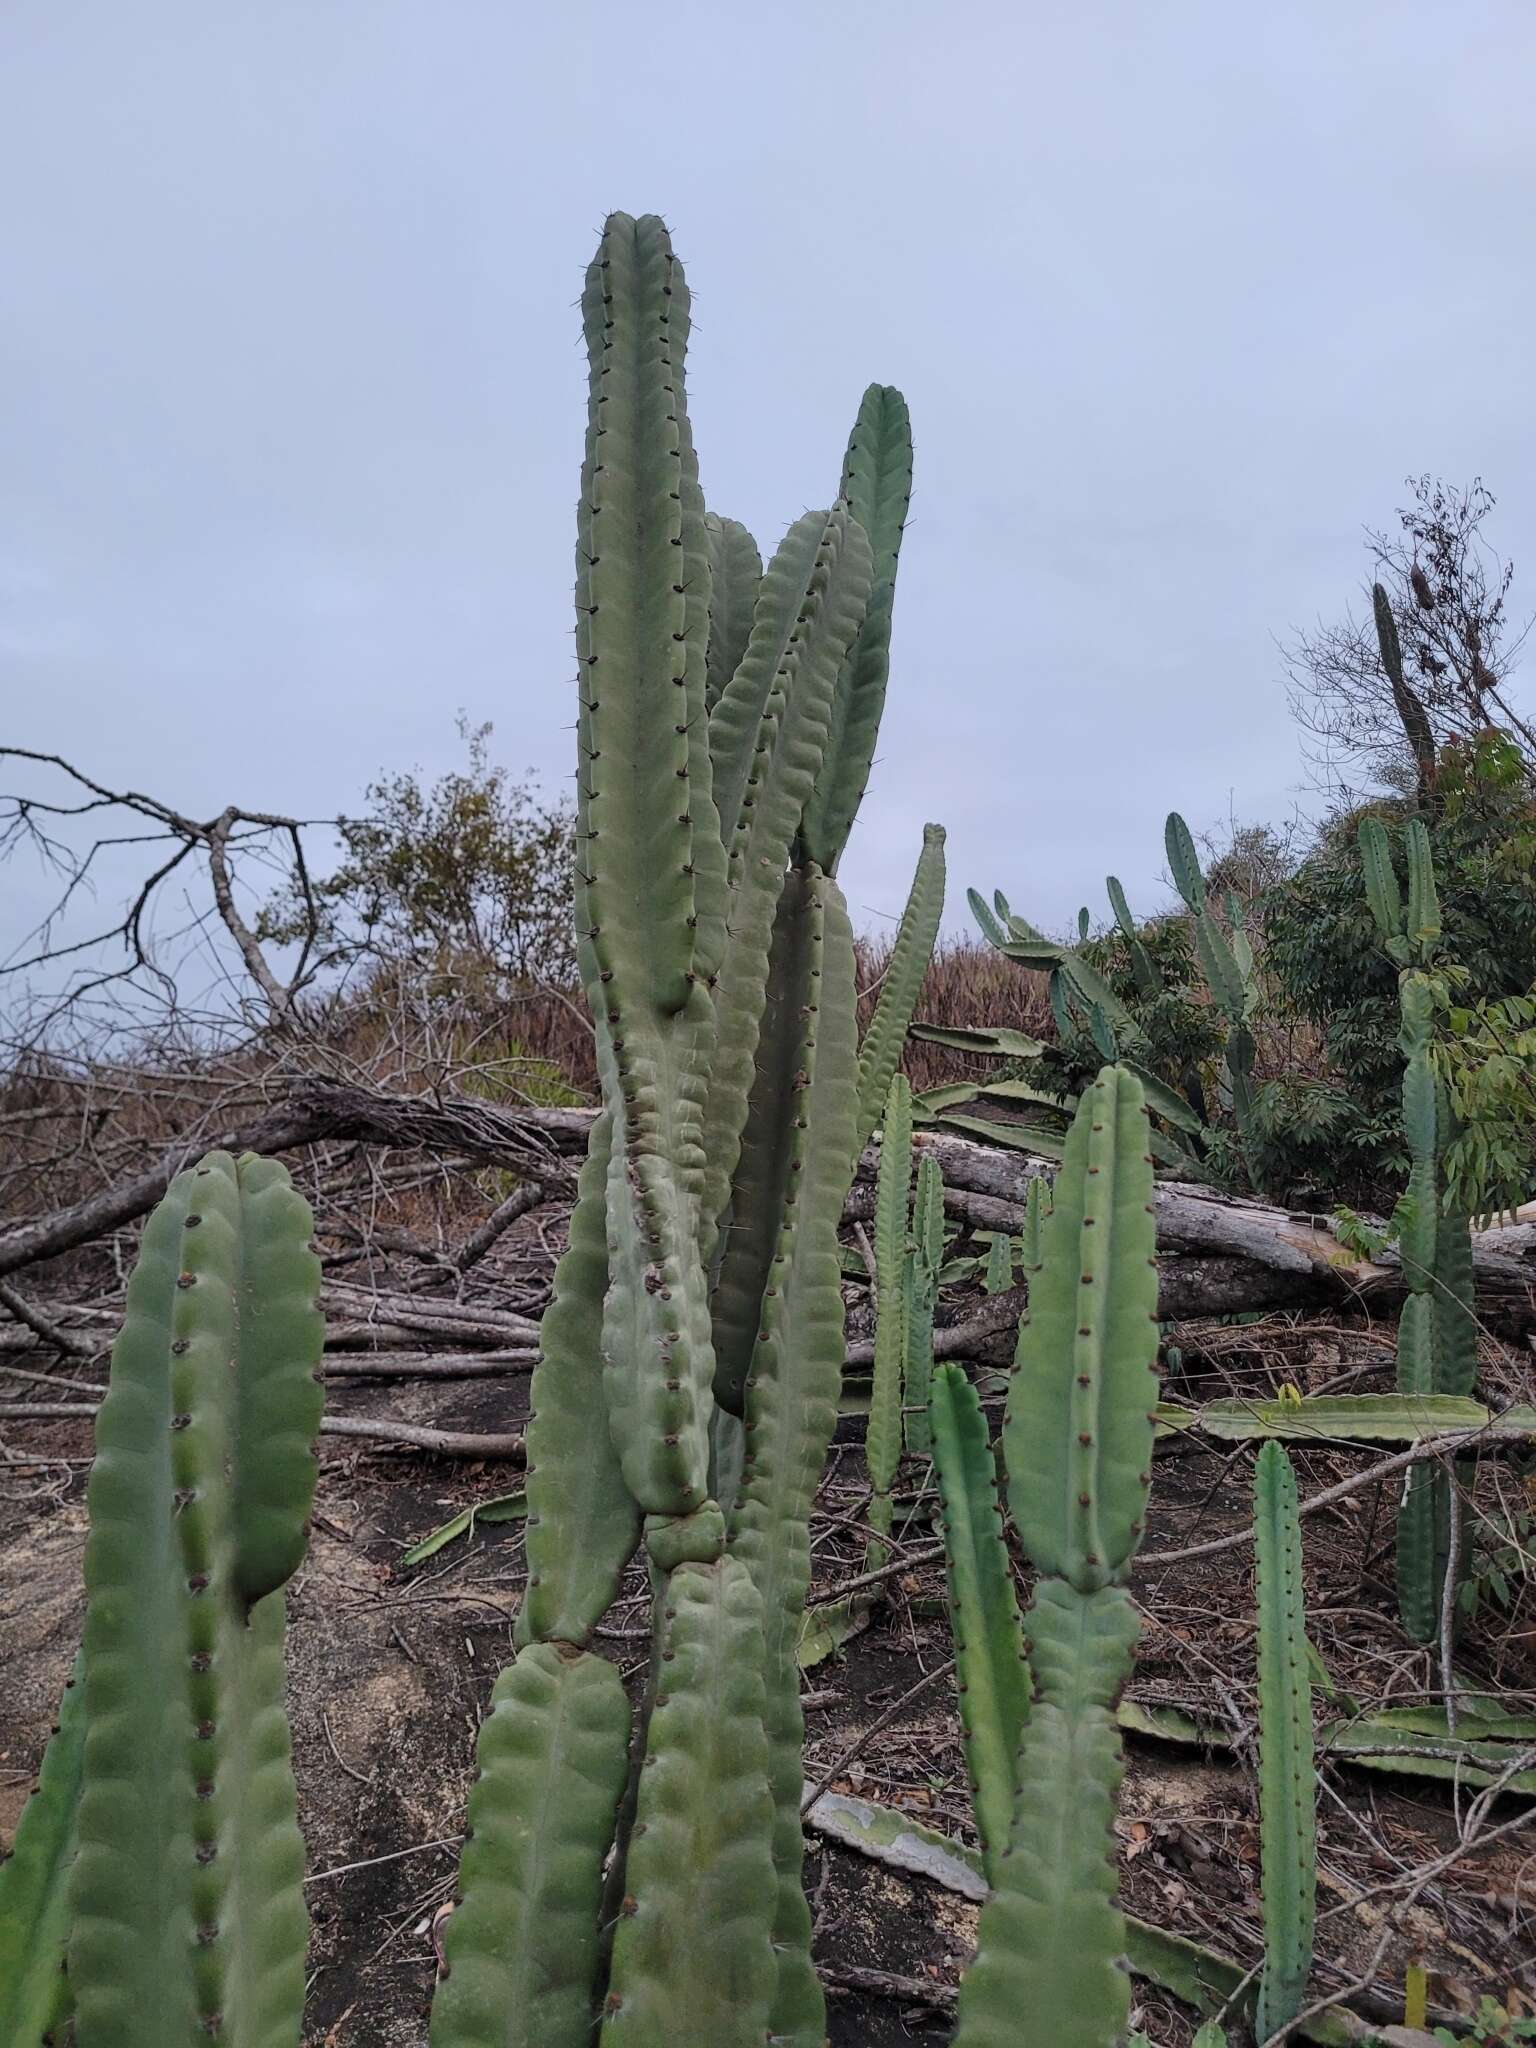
x,y
1287,1774
185,1900
883,1435
1437,1335
727,717
1077,1446
920,1295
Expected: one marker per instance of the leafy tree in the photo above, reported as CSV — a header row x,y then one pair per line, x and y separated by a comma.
x,y
1446,591
472,870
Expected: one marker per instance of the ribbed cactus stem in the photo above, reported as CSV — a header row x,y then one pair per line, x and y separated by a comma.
x,y
188,1912
1287,1775
902,980
992,1677
1077,1441
522,1949
34,1887
883,1433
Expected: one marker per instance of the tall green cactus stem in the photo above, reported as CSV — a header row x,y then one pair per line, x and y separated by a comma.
x,y
791,1402
1037,1206
877,489
522,1950
812,616
1287,1774
999,1268
34,1885
882,1440
1232,989
880,1053
186,1901
583,1525
650,871
1077,1442
992,1677
1437,1333
692,1954
735,571
920,1295
1148,975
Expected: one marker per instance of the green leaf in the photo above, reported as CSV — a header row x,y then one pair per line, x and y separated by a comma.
x,y
506,1507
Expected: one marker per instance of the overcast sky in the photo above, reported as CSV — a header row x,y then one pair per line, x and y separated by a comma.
x,y
291,385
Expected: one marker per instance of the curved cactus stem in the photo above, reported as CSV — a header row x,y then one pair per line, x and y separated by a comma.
x,y
692,1955
735,571
1050,1941
186,1893
880,1054
1184,862
791,1410
650,865
992,1676
34,1904
583,1524
522,1949
991,925
1148,976
776,1136
920,1293
1287,1775
789,738
882,1438
1078,1444
877,489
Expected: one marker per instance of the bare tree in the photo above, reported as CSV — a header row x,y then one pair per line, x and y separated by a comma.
x,y
1444,608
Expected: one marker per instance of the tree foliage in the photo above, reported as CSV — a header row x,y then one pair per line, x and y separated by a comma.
x,y
473,867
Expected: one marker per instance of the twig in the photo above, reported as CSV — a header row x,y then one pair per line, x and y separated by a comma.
x,y
506,1213
882,1721
1427,1447
451,1443
41,1325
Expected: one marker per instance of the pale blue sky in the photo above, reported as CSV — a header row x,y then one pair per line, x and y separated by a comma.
x,y
291,386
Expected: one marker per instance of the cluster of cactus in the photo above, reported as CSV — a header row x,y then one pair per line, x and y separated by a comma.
x,y
651,1876
160,1856
1085,1005
638,1872
1437,1336
1038,1693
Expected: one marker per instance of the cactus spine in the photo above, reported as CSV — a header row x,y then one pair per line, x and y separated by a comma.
x,y
1287,1778
1077,1444
1437,1334
185,1895
727,716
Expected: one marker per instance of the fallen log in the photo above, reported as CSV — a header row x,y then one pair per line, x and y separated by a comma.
x,y
1218,1254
